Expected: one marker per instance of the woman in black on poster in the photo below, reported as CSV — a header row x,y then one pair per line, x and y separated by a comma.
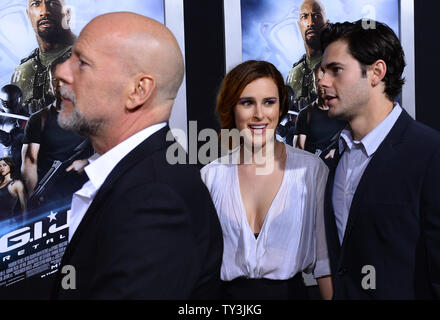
x,y
11,190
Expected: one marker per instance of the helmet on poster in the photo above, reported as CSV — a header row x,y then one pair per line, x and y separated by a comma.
x,y
11,98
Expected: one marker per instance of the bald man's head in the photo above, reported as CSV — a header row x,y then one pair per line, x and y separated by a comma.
x,y
312,19
314,3
123,76
144,46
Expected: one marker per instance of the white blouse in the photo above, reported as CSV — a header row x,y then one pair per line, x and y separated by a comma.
x,y
292,238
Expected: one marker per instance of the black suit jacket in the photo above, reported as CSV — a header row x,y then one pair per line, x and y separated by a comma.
x,y
394,220
151,232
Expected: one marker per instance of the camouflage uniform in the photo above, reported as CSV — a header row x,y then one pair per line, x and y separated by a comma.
x,y
32,77
300,79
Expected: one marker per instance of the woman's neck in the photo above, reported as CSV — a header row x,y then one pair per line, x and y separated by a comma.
x,y
271,152
6,179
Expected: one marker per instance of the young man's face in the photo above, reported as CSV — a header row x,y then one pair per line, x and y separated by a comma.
x,y
347,90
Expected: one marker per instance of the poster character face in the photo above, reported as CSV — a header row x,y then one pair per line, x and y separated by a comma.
x,y
93,81
4,168
311,22
319,89
47,16
346,87
257,111
55,85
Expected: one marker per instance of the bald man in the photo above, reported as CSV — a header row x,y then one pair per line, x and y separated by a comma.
x,y
140,228
312,20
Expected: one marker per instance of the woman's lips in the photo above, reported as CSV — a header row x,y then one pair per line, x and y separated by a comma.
x,y
258,128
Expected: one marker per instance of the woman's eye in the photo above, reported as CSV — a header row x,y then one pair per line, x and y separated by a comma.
x,y
245,102
270,102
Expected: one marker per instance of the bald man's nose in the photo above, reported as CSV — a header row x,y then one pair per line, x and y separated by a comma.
x,y
63,72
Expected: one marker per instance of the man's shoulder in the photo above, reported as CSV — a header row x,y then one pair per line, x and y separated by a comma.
x,y
33,55
27,65
296,72
142,167
300,62
297,69
422,135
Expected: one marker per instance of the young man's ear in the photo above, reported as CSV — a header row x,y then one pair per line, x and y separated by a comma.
x,y
141,91
378,72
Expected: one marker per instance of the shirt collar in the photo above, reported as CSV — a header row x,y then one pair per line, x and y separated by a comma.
x,y
373,139
100,166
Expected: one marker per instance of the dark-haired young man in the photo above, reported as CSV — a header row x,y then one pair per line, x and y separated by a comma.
x,y
382,205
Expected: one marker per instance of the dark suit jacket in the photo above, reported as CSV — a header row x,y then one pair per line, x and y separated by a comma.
x,y
151,232
394,220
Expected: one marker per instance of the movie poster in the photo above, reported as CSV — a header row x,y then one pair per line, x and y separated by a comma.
x,y
41,165
286,33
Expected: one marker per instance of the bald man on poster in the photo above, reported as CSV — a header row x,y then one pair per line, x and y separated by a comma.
x,y
312,20
140,228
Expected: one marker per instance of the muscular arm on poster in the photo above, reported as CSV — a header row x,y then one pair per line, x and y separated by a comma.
x,y
29,154
17,188
78,166
301,129
302,141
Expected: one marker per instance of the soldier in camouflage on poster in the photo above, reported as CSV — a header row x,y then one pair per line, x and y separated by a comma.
x,y
312,20
50,21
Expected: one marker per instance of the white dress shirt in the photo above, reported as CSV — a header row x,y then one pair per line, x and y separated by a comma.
x,y
355,158
292,238
98,170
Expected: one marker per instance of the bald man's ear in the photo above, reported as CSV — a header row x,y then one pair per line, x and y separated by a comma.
x,y
140,93
378,71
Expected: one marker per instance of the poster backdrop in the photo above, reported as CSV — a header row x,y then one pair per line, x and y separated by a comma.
x,y
18,37
270,29
271,32
33,225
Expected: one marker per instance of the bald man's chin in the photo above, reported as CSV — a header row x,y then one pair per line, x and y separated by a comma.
x,y
78,123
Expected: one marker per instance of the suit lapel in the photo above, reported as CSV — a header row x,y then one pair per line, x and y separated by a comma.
x,y
153,143
374,171
329,216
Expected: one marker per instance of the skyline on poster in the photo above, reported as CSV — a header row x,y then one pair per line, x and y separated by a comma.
x,y
270,31
17,38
